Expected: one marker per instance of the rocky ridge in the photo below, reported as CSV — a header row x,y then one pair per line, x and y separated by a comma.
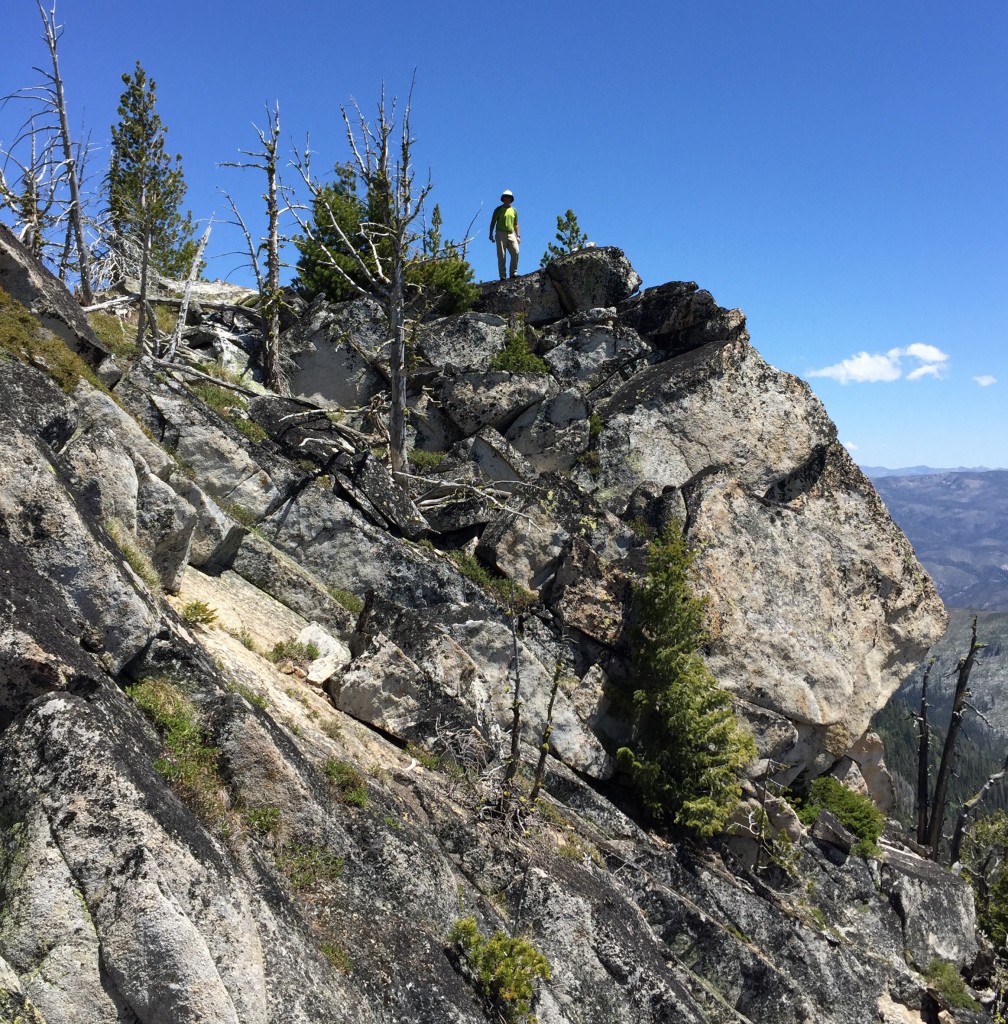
x,y
338,828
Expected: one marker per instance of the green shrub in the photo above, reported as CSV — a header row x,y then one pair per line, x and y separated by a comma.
x,y
244,637
190,762
198,613
423,757
293,650
257,699
854,811
264,820
348,782
445,284
424,462
249,429
946,980
516,356
687,747
505,970
985,867
221,400
240,514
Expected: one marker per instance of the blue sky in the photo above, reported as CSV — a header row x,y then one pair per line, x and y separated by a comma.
x,y
835,170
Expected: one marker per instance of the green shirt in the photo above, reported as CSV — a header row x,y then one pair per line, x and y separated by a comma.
x,y
505,218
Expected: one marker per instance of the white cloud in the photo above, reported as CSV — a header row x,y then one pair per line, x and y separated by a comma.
x,y
985,380
861,368
925,353
871,368
927,370
850,446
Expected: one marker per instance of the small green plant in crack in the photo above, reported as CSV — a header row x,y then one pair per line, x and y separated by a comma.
x,y
264,821
249,429
241,515
136,558
294,650
516,356
347,781
244,637
423,757
506,591
252,696
221,400
425,462
504,969
198,613
943,977
337,956
309,865
189,762
346,599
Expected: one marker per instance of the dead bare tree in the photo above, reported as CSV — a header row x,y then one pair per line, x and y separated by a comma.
x,y
380,249
969,808
187,293
923,741
46,195
268,250
32,191
960,703
56,101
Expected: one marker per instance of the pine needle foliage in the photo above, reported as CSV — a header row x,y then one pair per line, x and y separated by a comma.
x,y
145,185
504,968
569,238
687,745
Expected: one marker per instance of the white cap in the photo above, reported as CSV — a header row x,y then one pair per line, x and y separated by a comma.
x,y
507,194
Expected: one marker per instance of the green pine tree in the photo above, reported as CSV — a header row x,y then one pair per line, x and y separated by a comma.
x,y
337,212
688,747
569,238
145,186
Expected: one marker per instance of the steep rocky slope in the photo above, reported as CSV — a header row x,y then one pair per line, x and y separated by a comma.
x,y
192,831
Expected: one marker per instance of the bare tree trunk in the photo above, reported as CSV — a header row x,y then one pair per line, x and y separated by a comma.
x,y
270,296
511,769
397,414
184,305
271,314
144,264
76,213
544,744
922,759
955,724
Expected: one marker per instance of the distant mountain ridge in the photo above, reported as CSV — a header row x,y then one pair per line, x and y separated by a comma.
x,y
956,522
881,471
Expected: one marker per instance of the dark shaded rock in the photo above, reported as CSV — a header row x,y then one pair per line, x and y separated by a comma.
x,y
530,296
592,277
678,316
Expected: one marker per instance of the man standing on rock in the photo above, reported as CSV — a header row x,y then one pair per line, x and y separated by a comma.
x,y
504,222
